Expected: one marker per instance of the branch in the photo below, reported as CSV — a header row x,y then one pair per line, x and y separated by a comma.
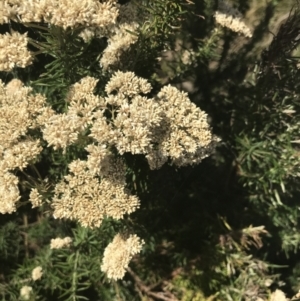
x,y
166,296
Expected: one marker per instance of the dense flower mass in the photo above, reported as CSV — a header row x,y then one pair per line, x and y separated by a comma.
x,y
168,126
125,120
62,130
82,154
63,13
118,254
9,191
19,111
81,196
97,18
184,136
14,52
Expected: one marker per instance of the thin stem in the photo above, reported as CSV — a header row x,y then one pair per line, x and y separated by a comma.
x,y
37,172
36,26
31,181
25,223
117,291
74,276
38,52
36,44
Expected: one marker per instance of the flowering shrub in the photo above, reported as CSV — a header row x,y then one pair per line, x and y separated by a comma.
x,y
112,185
129,118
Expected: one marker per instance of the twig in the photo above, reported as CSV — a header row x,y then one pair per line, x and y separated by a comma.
x,y
166,296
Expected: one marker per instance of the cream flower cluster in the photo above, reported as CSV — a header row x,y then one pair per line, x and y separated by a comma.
x,y
25,292
14,52
35,198
19,111
83,197
120,36
229,17
168,126
37,273
164,127
184,135
187,57
62,13
59,243
62,130
97,18
118,254
118,43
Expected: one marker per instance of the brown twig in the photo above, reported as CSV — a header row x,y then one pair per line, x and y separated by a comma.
x,y
166,296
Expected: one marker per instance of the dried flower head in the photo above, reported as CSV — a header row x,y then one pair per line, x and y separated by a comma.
x,y
118,254
37,273
59,243
102,131
62,130
19,112
14,88
29,11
